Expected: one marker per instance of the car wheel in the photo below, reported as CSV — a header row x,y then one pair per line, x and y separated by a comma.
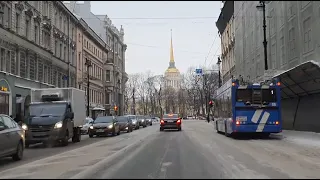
x,y
161,129
90,135
27,145
179,129
19,153
118,133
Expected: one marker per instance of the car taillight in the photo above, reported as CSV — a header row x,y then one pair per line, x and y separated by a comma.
x,y
161,121
179,121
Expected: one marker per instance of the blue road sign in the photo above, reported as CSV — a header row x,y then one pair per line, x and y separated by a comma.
x,y
198,71
65,77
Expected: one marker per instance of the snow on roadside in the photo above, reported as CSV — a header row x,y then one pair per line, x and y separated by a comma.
x,y
303,138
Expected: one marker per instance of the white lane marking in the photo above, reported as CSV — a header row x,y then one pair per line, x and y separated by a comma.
x,y
256,115
263,121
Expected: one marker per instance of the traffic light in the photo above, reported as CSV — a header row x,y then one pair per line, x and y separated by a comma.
x,y
116,108
211,103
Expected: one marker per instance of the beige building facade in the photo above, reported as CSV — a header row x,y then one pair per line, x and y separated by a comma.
x,y
225,25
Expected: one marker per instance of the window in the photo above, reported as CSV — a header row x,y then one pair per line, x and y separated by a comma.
x,y
107,97
79,37
27,27
56,48
292,42
37,33
65,53
60,51
18,23
269,95
108,75
244,95
8,122
4,103
307,38
79,61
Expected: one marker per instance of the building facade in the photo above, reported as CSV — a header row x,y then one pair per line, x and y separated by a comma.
x,y
172,75
226,31
291,30
90,47
37,50
114,68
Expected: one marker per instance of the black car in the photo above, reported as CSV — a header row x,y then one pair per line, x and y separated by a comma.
x,y
104,125
149,120
125,123
142,121
12,139
170,121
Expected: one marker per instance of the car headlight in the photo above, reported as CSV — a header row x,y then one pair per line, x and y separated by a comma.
x,y
91,127
142,120
24,127
110,126
134,122
80,126
58,125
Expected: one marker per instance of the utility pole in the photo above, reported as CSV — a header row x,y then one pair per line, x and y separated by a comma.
x,y
219,72
204,87
262,6
133,101
88,64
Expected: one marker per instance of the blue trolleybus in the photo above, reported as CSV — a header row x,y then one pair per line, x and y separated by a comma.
x,y
248,108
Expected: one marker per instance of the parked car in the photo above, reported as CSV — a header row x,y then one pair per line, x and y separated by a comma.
x,y
12,138
104,125
148,120
86,126
125,123
135,124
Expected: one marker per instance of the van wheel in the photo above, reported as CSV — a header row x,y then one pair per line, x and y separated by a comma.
x,y
66,139
19,153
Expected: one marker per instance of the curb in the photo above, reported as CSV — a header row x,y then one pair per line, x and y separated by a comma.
x,y
88,173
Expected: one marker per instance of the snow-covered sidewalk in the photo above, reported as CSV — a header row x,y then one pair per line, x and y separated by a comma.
x,y
303,138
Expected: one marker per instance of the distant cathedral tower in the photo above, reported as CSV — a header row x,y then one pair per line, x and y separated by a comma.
x,y
172,74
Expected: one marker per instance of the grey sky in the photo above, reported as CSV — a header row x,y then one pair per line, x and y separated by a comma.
x,y
148,40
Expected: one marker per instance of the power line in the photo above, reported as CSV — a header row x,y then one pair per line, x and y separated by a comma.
x,y
215,54
210,49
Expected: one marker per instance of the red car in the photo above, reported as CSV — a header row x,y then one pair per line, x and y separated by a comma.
x,y
170,121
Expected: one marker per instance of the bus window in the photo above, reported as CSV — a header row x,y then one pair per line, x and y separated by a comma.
x,y
244,95
269,95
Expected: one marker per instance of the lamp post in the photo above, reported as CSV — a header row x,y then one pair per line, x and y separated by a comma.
x,y
219,73
88,64
262,6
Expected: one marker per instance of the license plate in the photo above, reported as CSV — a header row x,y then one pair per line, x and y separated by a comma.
x,y
170,121
100,130
241,118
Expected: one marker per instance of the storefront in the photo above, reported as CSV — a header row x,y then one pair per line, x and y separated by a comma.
x,y
5,97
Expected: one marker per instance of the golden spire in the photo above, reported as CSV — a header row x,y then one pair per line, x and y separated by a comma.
x,y
171,50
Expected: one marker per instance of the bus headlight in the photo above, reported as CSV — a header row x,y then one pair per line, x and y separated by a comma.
x,y
58,125
110,126
24,127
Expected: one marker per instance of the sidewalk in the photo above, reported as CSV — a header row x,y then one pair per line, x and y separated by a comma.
x,y
303,138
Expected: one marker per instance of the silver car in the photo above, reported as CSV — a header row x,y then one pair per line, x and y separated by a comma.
x,y
86,126
12,138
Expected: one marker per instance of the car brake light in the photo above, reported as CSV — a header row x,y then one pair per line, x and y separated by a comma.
x,y
161,121
179,121
237,122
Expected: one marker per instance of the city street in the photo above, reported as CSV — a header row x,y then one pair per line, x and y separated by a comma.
x,y
195,152
38,151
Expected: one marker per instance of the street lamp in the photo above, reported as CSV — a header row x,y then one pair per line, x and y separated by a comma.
x,y
262,6
218,63
88,64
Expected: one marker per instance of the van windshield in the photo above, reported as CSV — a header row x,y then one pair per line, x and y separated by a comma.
x,y
43,110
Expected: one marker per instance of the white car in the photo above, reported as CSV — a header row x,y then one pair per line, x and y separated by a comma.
x,y
86,126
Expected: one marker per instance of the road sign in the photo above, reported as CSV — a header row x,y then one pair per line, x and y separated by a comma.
x,y
198,71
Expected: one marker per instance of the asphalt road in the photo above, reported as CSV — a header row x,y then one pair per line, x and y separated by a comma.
x,y
38,151
199,152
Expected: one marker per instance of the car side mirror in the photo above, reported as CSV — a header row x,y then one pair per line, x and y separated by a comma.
x,y
2,128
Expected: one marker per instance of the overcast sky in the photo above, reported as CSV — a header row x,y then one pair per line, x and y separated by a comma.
x,y
148,40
